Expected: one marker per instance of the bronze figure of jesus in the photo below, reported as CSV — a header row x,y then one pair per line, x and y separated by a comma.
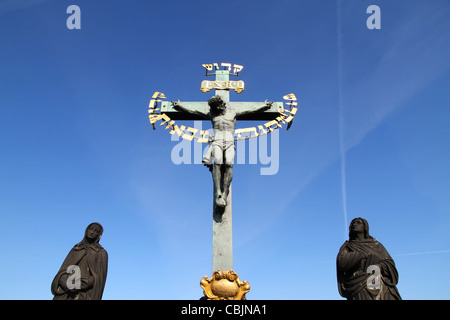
x,y
219,158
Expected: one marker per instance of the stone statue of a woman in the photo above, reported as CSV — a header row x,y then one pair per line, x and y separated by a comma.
x,y
365,270
82,275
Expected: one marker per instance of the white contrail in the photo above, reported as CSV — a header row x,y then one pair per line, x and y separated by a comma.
x,y
420,253
341,118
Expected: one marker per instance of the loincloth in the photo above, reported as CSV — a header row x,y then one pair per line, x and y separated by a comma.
x,y
222,144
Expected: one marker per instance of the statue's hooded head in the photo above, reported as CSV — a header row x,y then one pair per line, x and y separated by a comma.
x,y
359,225
216,104
91,237
93,233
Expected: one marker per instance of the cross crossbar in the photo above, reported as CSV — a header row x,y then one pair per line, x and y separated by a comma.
x,y
269,114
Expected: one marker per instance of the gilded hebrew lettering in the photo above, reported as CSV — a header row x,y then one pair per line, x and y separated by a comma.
x,y
189,133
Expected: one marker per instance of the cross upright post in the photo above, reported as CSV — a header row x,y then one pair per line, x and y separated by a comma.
x,y
222,243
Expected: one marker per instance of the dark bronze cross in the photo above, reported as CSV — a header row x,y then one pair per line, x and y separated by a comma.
x,y
223,115
195,110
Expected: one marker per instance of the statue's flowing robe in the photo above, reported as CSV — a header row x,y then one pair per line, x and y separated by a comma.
x,y
352,263
92,259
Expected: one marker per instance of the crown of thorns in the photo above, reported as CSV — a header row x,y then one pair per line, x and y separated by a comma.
x,y
215,101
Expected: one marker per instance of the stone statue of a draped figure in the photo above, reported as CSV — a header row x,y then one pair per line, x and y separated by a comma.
x,y
365,270
82,275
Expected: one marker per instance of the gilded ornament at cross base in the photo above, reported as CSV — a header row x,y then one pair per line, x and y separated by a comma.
x,y
224,285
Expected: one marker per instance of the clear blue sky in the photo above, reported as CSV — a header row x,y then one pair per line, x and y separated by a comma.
x,y
371,140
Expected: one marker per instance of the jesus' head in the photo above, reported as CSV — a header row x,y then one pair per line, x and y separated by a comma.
x,y
217,105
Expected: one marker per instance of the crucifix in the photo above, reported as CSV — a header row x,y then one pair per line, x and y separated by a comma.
x,y
219,158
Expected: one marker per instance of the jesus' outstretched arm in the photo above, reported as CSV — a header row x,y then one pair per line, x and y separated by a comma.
x,y
178,106
264,107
